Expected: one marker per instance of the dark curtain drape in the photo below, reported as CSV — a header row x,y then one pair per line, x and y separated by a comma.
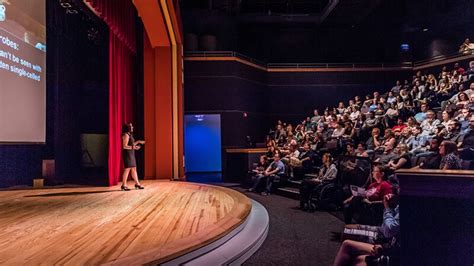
x,y
120,16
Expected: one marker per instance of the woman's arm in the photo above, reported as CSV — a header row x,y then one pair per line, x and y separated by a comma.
x,y
399,164
125,139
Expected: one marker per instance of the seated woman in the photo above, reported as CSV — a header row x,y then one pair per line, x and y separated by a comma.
x,y
327,174
402,161
374,194
355,252
449,152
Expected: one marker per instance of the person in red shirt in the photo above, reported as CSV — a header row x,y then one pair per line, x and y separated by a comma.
x,y
374,195
399,126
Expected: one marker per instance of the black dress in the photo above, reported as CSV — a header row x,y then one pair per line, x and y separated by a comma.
x,y
129,155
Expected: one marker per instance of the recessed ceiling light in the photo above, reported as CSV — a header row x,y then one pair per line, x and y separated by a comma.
x,y
425,29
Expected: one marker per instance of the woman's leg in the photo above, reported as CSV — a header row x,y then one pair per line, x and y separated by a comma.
x,y
350,250
135,176
125,174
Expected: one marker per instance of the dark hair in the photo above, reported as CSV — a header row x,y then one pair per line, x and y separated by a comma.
x,y
450,147
382,169
126,128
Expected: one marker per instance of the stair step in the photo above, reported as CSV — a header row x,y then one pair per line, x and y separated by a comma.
x,y
293,183
289,192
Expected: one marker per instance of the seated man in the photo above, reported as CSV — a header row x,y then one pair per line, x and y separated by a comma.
x,y
275,168
387,155
355,252
422,114
428,126
431,158
305,160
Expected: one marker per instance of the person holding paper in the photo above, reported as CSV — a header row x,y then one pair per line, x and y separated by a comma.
x,y
356,252
374,194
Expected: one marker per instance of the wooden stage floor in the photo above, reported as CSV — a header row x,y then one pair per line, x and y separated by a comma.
x,y
102,225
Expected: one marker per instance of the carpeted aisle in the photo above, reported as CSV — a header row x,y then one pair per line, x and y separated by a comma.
x,y
296,237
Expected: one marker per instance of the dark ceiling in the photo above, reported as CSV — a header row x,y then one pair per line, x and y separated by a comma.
x,y
332,30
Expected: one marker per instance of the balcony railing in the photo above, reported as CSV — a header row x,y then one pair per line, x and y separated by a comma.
x,y
403,65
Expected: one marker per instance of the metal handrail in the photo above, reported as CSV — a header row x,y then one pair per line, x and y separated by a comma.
x,y
322,65
441,58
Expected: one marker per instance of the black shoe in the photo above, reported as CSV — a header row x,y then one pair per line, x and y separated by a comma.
x,y
139,186
124,188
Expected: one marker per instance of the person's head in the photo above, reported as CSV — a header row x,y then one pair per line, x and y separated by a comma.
x,y
327,158
278,127
416,130
399,121
293,147
276,157
350,148
375,131
376,94
447,147
406,132
378,173
306,146
453,125
360,147
341,105
471,65
263,159
402,148
398,82
430,115
464,112
471,122
357,98
472,84
445,115
424,107
434,144
471,98
411,121
388,134
388,147
127,128
456,65
316,112
462,97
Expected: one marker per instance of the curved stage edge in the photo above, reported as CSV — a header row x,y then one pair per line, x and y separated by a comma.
x,y
168,222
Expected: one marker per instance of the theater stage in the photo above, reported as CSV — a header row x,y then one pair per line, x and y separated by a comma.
x,y
102,225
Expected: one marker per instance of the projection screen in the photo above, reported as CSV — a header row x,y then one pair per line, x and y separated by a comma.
x,y
22,71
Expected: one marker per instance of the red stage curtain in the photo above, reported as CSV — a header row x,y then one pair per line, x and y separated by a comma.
x,y
120,16
120,101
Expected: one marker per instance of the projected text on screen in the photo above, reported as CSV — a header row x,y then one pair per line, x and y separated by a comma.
x,y
22,71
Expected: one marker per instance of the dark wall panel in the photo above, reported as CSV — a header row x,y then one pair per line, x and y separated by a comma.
x,y
232,88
